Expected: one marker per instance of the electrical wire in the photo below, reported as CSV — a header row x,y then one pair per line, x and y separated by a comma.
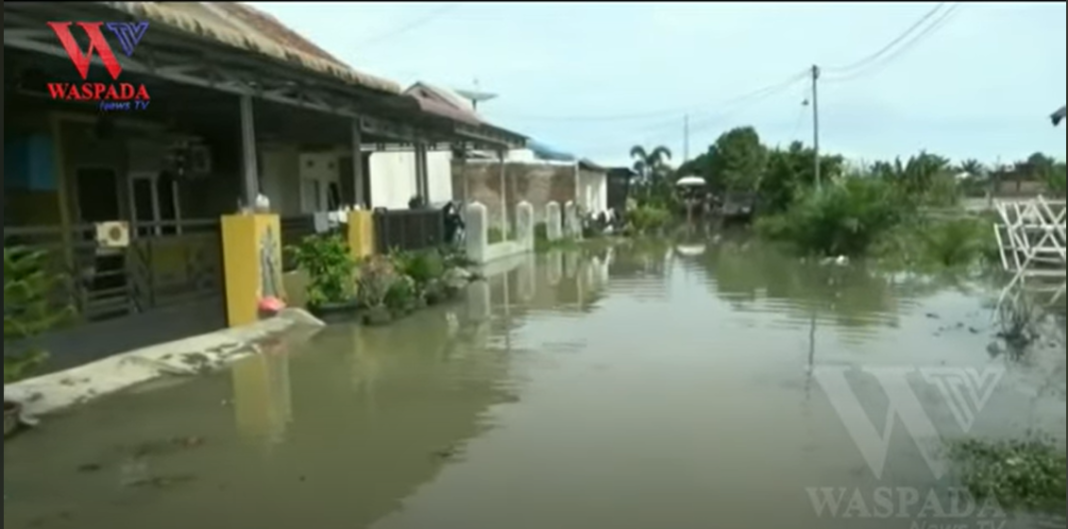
x,y
660,113
881,63
889,46
429,17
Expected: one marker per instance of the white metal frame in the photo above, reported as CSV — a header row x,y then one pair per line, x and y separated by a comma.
x,y
1031,237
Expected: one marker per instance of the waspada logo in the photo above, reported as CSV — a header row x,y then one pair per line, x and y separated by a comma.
x,y
110,96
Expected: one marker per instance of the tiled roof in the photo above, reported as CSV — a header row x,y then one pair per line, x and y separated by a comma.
x,y
251,30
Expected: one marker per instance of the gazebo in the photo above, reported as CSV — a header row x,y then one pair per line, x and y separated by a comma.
x,y
1058,117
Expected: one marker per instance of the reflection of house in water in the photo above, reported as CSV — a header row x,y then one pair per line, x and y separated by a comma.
x,y
369,440
569,280
262,402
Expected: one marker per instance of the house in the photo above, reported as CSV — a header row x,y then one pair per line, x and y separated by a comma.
x,y
619,181
393,174
1058,117
239,105
537,173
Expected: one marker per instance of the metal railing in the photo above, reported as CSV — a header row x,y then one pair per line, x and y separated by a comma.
x,y
181,264
408,229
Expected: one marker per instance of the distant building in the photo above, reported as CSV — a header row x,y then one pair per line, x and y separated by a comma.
x,y
1058,117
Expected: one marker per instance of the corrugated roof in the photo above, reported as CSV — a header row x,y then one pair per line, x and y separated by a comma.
x,y
438,101
251,30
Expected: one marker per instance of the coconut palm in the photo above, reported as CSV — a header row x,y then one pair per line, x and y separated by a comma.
x,y
650,164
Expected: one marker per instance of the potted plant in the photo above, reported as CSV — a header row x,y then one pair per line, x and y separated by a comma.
x,y
27,313
330,269
376,278
402,298
426,270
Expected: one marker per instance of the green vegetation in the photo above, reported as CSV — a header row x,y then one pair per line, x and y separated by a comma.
x,y
877,209
28,311
330,267
1017,474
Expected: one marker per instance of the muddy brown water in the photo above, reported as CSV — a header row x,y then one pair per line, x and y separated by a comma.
x,y
636,388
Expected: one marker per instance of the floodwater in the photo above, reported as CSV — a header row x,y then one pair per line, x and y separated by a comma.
x,y
632,388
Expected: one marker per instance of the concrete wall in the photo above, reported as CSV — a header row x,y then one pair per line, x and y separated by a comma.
x,y
536,183
593,191
393,178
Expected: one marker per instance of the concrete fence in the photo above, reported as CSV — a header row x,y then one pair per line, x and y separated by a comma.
x,y
479,248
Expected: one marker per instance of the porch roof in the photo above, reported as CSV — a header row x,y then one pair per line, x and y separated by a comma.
x,y
251,30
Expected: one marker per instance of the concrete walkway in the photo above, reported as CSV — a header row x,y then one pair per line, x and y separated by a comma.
x,y
187,357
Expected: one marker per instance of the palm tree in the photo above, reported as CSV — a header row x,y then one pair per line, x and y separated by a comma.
x,y
650,164
973,167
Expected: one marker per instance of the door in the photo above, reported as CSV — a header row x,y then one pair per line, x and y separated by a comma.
x,y
154,205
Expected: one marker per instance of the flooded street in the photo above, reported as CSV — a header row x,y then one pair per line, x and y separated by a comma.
x,y
632,388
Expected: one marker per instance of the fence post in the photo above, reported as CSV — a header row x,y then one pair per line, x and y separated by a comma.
x,y
553,227
572,223
477,232
524,220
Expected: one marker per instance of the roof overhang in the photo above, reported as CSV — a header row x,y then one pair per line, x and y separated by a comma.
x,y
1058,117
176,56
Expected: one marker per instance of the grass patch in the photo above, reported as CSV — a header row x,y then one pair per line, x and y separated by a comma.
x,y
1017,474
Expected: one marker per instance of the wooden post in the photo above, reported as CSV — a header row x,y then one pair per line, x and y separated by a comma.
x,y
357,165
250,171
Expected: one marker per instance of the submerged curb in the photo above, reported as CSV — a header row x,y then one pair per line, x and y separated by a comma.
x,y
187,357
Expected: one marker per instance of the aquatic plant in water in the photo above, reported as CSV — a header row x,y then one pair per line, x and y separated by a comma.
x,y
1027,474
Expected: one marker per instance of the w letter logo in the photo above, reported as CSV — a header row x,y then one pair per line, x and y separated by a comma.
x,y
129,35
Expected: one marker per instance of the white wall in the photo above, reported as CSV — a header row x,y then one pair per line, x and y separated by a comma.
x,y
393,178
279,178
593,192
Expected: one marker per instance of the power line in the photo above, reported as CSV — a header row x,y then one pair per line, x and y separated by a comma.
x,y
889,46
659,113
429,17
880,63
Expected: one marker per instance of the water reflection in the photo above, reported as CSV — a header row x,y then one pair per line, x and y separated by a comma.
x,y
630,387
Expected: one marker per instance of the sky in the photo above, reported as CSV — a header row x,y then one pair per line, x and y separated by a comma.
x,y
597,79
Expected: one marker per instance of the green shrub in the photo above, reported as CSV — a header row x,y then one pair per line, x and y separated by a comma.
x,y
329,265
647,218
845,218
957,242
423,267
541,231
28,311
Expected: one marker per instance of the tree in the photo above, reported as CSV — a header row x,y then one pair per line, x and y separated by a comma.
x,y
651,164
737,160
789,171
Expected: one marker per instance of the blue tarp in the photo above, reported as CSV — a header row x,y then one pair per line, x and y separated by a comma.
x,y
545,152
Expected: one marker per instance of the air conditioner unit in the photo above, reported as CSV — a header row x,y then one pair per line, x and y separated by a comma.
x,y
113,234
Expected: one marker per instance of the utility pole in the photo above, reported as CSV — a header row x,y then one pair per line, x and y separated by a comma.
x,y
686,138
816,123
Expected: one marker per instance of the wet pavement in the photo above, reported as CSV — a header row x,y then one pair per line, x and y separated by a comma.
x,y
652,387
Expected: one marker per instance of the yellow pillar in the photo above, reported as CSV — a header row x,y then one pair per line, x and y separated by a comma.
x,y
252,264
361,234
